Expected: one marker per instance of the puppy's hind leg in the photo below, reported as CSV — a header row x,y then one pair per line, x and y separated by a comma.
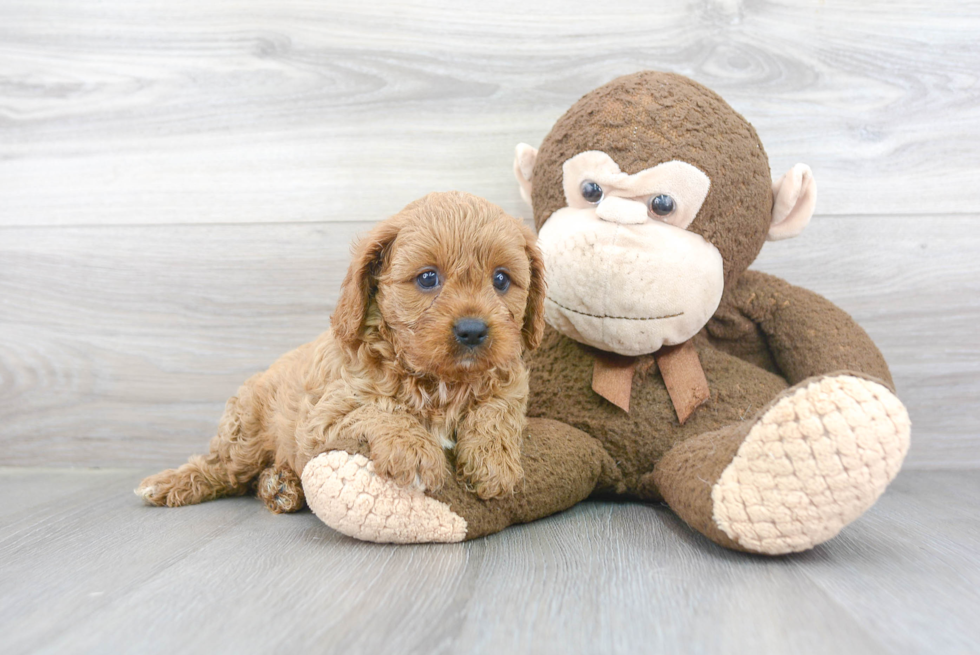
x,y
281,490
236,457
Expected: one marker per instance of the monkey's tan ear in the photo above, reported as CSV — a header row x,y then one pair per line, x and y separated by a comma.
x,y
360,283
524,157
794,196
533,330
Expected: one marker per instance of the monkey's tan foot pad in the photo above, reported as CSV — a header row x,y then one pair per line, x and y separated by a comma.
x,y
813,463
346,493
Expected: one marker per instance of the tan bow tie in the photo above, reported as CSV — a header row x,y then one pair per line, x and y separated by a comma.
x,y
680,367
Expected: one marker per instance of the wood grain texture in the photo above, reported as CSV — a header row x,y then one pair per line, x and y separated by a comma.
x,y
179,184
936,515
179,181
119,345
102,573
244,111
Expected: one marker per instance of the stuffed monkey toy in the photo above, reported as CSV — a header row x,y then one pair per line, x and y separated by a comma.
x,y
760,412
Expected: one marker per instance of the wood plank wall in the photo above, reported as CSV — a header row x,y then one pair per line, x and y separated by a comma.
x,y
180,180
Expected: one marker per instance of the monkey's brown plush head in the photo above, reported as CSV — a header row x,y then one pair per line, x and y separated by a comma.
x,y
651,195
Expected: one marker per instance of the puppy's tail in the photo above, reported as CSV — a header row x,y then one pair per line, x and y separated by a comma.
x,y
235,459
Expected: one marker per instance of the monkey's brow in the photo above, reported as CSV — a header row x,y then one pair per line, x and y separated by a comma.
x,y
622,318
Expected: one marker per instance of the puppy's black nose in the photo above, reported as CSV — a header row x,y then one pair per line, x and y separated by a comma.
x,y
470,332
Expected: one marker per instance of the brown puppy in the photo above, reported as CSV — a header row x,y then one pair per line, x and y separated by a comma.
x,y
425,354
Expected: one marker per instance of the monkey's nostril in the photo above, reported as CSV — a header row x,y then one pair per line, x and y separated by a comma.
x,y
470,332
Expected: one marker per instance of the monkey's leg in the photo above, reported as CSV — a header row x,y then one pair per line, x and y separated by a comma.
x,y
562,466
810,463
234,460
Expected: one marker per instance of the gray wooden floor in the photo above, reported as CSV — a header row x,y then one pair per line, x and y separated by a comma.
x,y
179,182
84,567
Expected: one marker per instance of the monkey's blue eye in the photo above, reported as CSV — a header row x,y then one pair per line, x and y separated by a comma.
x,y
501,281
661,205
427,279
591,191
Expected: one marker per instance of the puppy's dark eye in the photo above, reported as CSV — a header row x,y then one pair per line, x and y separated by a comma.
x,y
591,191
427,280
661,205
501,281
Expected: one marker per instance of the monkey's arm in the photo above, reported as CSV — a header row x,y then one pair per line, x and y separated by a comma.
x,y
807,334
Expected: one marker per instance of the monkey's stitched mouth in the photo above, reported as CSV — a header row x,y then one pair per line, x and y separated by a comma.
x,y
618,318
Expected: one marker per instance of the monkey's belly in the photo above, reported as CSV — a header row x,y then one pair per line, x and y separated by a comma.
x,y
561,389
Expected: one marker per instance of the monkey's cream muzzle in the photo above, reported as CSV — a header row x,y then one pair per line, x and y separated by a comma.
x,y
628,289
619,279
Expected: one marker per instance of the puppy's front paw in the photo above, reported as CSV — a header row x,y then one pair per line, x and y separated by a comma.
x,y
410,460
492,474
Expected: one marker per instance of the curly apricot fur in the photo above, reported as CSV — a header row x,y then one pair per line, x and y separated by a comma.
x,y
389,374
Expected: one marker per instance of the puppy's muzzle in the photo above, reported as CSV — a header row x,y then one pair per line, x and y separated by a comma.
x,y
470,332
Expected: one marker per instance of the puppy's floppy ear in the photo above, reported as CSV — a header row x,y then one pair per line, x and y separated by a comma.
x,y
533,329
360,282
